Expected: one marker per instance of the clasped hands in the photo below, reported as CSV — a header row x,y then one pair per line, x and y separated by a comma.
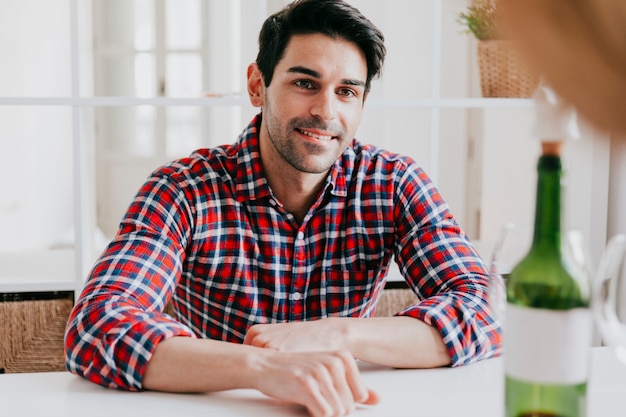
x,y
321,372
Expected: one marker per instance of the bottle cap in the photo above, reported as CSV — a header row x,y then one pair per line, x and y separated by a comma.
x,y
555,119
552,148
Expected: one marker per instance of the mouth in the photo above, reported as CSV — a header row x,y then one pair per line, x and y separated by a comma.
x,y
321,136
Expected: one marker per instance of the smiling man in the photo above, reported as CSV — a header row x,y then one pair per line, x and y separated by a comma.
x,y
274,250
311,111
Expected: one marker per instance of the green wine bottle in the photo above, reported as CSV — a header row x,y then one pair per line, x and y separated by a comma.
x,y
548,331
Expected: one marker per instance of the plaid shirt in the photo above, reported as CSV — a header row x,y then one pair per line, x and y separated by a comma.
x,y
207,232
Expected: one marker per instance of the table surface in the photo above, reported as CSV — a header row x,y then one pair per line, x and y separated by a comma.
x,y
472,390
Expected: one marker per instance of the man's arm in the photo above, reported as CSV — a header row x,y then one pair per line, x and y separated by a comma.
x,y
401,342
442,267
118,337
326,383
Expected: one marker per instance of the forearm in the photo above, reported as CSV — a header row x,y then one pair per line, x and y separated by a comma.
x,y
326,383
413,339
401,342
183,364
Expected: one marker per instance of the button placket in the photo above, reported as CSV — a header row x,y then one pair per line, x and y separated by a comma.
x,y
296,295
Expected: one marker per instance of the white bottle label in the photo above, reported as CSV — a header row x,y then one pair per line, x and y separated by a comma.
x,y
547,346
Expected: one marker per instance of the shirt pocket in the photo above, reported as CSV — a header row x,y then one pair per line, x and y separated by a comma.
x,y
350,293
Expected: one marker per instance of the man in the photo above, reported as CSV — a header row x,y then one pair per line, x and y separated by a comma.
x,y
280,243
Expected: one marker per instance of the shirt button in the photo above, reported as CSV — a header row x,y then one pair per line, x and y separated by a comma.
x,y
300,236
296,296
272,202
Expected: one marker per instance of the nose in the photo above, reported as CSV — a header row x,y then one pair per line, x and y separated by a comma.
x,y
325,105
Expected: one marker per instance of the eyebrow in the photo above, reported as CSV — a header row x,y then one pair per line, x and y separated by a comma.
x,y
312,73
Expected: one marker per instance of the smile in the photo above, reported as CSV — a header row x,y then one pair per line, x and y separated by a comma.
x,y
315,136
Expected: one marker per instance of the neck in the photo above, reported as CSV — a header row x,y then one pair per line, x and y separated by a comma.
x,y
296,190
297,197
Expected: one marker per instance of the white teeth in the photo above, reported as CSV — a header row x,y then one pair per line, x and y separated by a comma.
x,y
316,136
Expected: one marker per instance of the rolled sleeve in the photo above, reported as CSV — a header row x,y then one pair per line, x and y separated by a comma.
x,y
118,320
110,340
442,267
467,328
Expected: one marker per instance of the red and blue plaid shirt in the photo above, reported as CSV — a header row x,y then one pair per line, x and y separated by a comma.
x,y
207,232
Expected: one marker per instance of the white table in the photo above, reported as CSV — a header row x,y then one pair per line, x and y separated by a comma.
x,y
474,390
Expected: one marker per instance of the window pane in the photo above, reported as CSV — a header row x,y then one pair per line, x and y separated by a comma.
x,y
123,28
183,130
459,68
115,24
184,75
36,177
145,75
128,75
144,24
145,132
402,130
125,24
183,24
453,176
408,28
128,131
35,45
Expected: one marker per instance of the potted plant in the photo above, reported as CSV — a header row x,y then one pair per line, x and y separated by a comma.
x,y
503,71
480,20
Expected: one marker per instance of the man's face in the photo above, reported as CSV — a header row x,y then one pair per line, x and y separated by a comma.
x,y
313,105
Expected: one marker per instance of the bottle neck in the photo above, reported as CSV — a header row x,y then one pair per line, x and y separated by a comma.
x,y
547,235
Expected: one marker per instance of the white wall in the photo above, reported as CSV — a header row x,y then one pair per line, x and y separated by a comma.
x,y
35,142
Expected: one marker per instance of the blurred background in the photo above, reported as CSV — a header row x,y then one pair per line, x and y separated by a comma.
x,y
95,94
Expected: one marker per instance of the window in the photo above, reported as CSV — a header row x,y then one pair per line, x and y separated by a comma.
x,y
153,49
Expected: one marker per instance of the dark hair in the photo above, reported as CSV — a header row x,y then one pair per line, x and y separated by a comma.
x,y
334,18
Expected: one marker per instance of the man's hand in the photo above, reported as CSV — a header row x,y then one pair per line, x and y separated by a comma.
x,y
326,383
401,342
320,335
322,375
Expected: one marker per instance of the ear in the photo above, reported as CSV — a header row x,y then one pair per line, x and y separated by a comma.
x,y
256,86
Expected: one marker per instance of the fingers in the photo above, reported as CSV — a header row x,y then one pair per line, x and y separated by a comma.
x,y
339,391
324,400
372,399
353,377
340,386
251,336
256,336
326,383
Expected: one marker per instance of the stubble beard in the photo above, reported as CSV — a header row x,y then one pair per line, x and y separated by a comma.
x,y
285,144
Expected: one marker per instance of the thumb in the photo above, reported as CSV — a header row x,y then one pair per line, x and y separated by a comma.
x,y
372,399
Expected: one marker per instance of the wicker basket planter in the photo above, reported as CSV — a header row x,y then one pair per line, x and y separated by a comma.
x,y
503,72
31,334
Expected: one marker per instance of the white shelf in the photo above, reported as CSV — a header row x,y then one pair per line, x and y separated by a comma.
x,y
39,270
123,101
243,101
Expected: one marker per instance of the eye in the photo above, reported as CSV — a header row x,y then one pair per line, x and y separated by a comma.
x,y
347,92
305,84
